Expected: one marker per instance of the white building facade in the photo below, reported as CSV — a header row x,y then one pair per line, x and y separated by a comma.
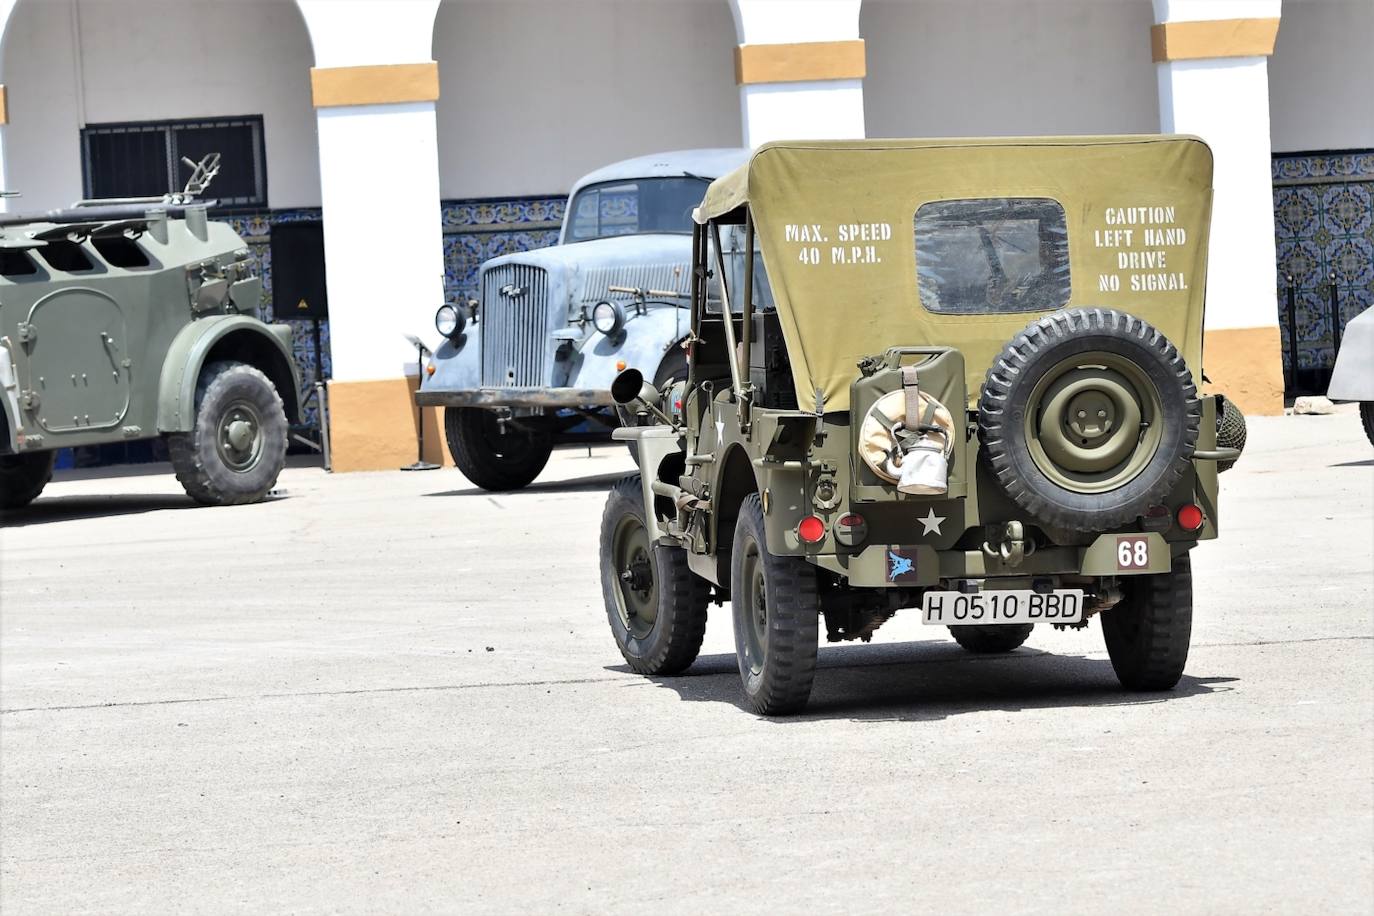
x,y
422,137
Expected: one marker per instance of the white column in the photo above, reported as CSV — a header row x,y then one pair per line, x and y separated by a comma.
x,y
6,12
379,185
1212,67
801,69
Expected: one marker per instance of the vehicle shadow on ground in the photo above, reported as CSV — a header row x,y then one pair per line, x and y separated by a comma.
x,y
574,485
45,510
1368,462
935,679
70,508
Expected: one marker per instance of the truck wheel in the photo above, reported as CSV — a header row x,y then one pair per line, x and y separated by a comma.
x,y
1149,631
493,456
1088,417
23,477
1231,432
237,447
1367,418
777,614
992,640
656,605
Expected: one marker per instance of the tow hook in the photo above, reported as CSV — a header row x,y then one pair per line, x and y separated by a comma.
x,y
1009,544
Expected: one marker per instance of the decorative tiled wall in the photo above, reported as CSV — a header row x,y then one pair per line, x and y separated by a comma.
x,y
1324,228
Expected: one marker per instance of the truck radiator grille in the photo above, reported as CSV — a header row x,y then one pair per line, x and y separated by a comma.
x,y
515,326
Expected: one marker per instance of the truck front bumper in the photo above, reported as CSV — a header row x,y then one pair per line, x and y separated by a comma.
x,y
515,397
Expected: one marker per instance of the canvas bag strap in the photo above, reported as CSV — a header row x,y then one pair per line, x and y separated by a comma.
x,y
912,392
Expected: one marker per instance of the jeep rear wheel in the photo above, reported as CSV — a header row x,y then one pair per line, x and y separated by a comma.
x,y
1149,631
496,455
655,605
1089,417
237,447
777,616
991,640
23,477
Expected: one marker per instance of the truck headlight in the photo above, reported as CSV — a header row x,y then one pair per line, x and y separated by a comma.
x,y
449,322
608,318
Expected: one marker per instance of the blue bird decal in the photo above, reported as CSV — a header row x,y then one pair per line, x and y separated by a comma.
x,y
900,566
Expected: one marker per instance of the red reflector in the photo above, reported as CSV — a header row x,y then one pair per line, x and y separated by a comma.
x,y
1190,518
851,520
811,529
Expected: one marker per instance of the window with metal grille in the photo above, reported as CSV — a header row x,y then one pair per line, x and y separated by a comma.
x,y
143,158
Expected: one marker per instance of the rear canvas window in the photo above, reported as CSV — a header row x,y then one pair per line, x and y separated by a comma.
x,y
993,255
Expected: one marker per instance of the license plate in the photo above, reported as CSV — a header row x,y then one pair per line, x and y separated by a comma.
x,y
955,609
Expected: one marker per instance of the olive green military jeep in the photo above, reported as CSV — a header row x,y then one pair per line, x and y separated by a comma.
x,y
953,375
133,319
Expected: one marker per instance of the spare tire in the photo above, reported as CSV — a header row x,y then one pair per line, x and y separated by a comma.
x,y
1088,417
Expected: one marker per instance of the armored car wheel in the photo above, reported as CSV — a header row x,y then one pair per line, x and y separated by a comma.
x,y
237,447
777,616
1148,633
495,455
1088,417
992,640
23,477
655,605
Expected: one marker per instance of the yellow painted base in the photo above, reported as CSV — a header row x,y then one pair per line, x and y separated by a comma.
x,y
373,426
1246,365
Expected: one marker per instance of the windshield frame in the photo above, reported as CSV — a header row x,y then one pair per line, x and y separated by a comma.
x,y
566,235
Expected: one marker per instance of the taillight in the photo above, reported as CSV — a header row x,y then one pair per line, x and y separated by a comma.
x,y
851,530
1190,517
811,529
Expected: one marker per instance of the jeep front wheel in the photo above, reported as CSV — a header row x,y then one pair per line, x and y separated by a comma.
x,y
23,477
656,606
237,445
777,614
1149,631
496,455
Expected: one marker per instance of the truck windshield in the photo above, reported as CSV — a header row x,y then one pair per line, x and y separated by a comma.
x,y
636,207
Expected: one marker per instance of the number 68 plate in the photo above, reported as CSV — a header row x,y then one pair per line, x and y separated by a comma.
x,y
953,609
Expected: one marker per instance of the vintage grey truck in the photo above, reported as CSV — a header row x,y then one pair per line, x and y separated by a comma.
x,y
535,354
137,319
969,386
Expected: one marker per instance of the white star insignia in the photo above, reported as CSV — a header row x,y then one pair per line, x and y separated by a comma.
x,y
931,523
720,427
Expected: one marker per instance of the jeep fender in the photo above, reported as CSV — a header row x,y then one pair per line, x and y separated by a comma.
x,y
642,344
238,337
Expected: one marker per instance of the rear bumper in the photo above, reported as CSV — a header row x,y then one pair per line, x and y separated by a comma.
x,y
515,397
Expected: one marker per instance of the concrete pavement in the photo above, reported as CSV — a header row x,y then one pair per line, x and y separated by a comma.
x,y
395,693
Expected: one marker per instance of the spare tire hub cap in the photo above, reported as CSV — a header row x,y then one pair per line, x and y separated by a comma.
x,y
1089,428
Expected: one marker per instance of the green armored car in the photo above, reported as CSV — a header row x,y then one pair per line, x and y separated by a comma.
x,y
134,319
959,376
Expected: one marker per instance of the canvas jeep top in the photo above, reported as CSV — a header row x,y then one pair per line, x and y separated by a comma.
x,y
960,378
